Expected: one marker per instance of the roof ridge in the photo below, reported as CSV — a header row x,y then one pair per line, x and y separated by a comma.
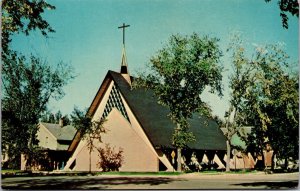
x,y
118,73
56,124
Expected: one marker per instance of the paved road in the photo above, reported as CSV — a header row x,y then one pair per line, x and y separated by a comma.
x,y
186,181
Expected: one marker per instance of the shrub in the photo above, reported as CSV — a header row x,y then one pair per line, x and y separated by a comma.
x,y
110,160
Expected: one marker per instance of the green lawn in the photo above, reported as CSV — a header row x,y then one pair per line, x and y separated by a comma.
x,y
241,172
11,171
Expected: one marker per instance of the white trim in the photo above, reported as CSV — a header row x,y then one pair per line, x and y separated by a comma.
x,y
99,112
78,149
101,106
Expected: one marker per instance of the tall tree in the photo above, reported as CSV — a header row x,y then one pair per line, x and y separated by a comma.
x,y
178,74
49,117
58,116
284,110
66,120
23,16
88,129
239,81
287,7
27,87
269,99
45,117
28,83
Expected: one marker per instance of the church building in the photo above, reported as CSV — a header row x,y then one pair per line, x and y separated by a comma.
x,y
138,125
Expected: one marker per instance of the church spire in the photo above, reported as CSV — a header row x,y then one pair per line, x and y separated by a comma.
x,y
124,66
124,59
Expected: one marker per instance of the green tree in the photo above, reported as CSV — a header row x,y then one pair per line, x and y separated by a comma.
x,y
178,74
66,120
27,87
88,129
287,7
58,116
45,117
268,99
284,110
28,83
49,117
23,16
239,81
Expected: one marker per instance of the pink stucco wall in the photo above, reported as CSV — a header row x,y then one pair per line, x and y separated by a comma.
x,y
137,154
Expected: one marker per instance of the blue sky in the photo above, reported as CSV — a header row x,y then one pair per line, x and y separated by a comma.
x,y
88,38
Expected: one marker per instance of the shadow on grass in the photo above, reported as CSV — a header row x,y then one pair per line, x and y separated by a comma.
x,y
271,185
87,183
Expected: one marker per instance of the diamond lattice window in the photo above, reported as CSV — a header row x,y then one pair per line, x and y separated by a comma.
x,y
114,100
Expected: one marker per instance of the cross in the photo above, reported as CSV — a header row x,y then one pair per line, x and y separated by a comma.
x,y
123,27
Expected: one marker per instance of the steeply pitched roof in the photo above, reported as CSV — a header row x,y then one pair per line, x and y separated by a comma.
x,y
65,133
158,126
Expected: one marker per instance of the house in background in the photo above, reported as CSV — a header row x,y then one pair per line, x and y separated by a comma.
x,y
54,140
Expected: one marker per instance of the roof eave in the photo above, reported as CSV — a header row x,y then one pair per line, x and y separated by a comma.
x,y
93,107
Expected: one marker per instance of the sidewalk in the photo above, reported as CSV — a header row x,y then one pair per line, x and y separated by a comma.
x,y
250,175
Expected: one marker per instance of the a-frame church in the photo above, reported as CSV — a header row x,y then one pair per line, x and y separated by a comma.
x,y
140,126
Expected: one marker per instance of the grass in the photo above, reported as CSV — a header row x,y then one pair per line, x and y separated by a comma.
x,y
241,172
210,172
11,171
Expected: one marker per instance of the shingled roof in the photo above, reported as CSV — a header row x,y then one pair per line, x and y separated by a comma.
x,y
158,126
65,133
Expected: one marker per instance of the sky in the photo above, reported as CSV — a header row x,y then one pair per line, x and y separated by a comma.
x,y
87,37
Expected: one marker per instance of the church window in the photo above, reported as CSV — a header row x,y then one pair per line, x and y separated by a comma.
x,y
114,100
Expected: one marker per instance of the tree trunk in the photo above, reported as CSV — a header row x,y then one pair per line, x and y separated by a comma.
x,y
263,158
244,156
90,160
286,163
228,156
179,160
273,162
